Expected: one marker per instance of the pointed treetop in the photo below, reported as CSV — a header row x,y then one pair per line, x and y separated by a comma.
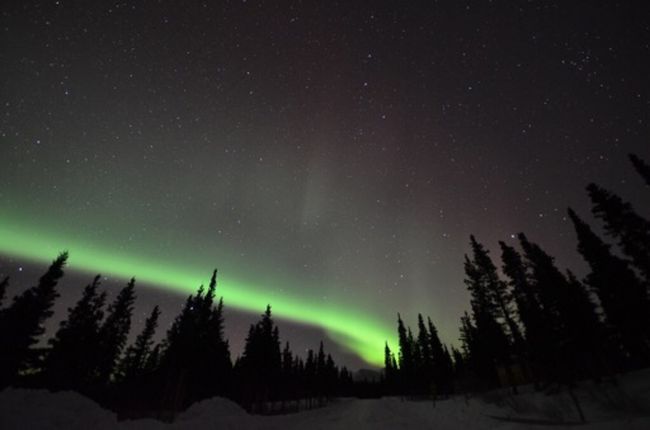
x,y
3,288
641,167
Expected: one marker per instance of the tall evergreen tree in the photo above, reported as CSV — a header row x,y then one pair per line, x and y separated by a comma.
x,y
22,322
331,376
196,358
70,362
458,363
621,221
569,314
215,355
491,346
538,338
405,358
287,360
586,330
499,297
260,364
622,296
425,371
114,332
152,363
288,387
641,167
441,370
321,374
3,289
390,370
310,372
135,359
468,340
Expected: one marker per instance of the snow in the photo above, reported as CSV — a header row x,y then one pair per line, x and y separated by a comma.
x,y
39,409
606,406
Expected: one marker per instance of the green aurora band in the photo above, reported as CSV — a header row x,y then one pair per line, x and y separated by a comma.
x,y
358,333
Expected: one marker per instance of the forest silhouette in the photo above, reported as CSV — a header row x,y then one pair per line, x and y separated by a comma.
x,y
529,322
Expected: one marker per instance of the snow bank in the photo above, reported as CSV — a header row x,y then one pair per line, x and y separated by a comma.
x,y
41,409
216,413
627,396
606,406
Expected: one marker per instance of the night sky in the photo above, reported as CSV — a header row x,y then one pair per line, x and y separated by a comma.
x,y
330,158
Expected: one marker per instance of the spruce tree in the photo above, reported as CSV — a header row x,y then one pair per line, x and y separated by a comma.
x,y
321,374
135,359
622,296
70,362
214,357
390,372
288,385
152,363
196,358
538,338
405,357
261,361
114,332
588,336
499,297
467,335
425,371
621,221
568,310
22,322
468,341
491,347
331,376
441,371
458,363
309,372
3,289
641,167
287,360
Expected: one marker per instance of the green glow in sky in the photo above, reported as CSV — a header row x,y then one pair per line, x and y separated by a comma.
x,y
347,326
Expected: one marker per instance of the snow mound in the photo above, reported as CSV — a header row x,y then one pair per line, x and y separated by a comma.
x,y
216,412
624,403
41,409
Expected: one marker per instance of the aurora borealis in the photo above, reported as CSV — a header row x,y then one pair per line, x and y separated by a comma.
x,y
329,158
356,332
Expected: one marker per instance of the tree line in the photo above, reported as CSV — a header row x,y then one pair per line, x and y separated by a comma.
x,y
89,353
530,321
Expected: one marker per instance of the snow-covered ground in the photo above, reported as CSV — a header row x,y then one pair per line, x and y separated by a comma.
x,y
606,407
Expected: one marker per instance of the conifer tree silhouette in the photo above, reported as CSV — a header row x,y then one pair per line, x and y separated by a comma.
x,y
196,357
390,370
621,222
538,338
405,358
71,361
570,314
3,289
114,332
426,364
22,322
214,358
499,298
132,366
641,167
441,361
622,296
261,361
490,346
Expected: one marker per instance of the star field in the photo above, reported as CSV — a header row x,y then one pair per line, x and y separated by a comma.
x,y
334,154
